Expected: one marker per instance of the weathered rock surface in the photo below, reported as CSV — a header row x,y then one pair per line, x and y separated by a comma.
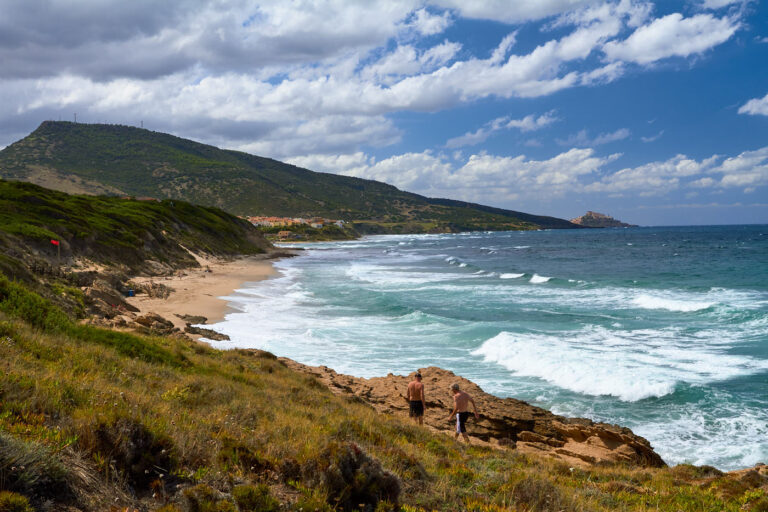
x,y
208,333
503,421
600,220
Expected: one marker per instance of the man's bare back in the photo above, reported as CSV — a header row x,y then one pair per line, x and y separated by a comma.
x,y
415,397
461,401
415,390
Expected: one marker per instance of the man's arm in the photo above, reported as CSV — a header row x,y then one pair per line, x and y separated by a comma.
x,y
408,393
474,407
423,398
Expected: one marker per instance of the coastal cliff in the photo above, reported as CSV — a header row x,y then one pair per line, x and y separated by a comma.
x,y
503,422
600,220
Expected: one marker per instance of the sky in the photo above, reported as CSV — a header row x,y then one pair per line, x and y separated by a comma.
x,y
653,112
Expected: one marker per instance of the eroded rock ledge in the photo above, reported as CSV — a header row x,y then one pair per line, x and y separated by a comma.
x,y
505,422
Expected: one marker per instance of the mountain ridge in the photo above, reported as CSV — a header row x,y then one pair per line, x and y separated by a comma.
x,y
123,160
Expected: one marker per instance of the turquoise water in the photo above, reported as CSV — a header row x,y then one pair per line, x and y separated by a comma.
x,y
663,330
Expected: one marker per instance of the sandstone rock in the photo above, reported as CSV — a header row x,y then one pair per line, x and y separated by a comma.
x,y
503,421
208,333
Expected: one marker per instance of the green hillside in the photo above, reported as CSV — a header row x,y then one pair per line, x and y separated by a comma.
x,y
122,160
135,235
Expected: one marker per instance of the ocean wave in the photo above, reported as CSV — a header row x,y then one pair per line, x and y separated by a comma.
x,y
696,437
510,275
629,365
647,301
537,279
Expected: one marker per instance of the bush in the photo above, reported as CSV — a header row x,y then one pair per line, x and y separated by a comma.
x,y
234,453
202,498
250,498
31,469
139,454
351,478
539,494
12,502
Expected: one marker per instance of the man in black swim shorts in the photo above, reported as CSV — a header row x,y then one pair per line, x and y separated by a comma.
x,y
415,399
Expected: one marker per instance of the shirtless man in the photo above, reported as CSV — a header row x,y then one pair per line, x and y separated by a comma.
x,y
415,398
461,401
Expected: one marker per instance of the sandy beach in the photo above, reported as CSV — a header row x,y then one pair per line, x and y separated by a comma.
x,y
198,291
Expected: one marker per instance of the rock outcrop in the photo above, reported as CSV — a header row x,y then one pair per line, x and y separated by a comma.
x,y
504,422
600,220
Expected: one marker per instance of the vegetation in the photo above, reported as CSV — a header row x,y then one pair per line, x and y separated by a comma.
x,y
98,158
110,229
92,419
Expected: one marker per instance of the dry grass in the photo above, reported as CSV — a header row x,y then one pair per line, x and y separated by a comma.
x,y
186,430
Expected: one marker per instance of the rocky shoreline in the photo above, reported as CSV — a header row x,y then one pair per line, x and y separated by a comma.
x,y
504,422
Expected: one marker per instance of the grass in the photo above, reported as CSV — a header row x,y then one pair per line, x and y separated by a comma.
x,y
115,419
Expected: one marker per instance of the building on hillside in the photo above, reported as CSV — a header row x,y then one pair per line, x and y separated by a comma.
x,y
273,222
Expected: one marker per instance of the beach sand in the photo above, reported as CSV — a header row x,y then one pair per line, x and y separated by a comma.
x,y
198,291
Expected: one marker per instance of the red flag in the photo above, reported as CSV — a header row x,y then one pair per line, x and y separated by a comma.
x,y
55,242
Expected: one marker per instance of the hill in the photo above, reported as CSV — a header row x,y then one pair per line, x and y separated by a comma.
x,y
127,236
122,160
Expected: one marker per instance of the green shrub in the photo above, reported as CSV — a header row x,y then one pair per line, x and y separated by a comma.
x,y
351,478
539,494
12,502
31,469
255,498
202,498
139,454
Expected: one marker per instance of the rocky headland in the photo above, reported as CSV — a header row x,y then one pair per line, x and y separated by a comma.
x,y
503,422
600,220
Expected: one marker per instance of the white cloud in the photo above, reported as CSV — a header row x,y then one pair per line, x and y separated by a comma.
x,y
513,12
429,24
756,106
582,139
717,4
507,180
747,170
296,78
672,36
527,124
484,177
652,138
654,178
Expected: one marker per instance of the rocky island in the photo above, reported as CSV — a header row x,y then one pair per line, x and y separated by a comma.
x,y
600,220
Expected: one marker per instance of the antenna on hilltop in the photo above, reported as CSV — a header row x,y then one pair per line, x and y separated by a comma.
x,y
142,123
75,116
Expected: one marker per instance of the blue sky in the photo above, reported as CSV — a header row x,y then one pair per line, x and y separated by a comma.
x,y
653,112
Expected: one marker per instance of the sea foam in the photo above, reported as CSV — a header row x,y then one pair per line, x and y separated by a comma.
x,y
630,365
648,301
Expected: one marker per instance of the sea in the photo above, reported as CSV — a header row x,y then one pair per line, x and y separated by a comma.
x,y
660,329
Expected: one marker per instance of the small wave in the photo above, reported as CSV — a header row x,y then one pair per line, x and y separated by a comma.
x,y
511,276
646,301
462,265
522,247
537,279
